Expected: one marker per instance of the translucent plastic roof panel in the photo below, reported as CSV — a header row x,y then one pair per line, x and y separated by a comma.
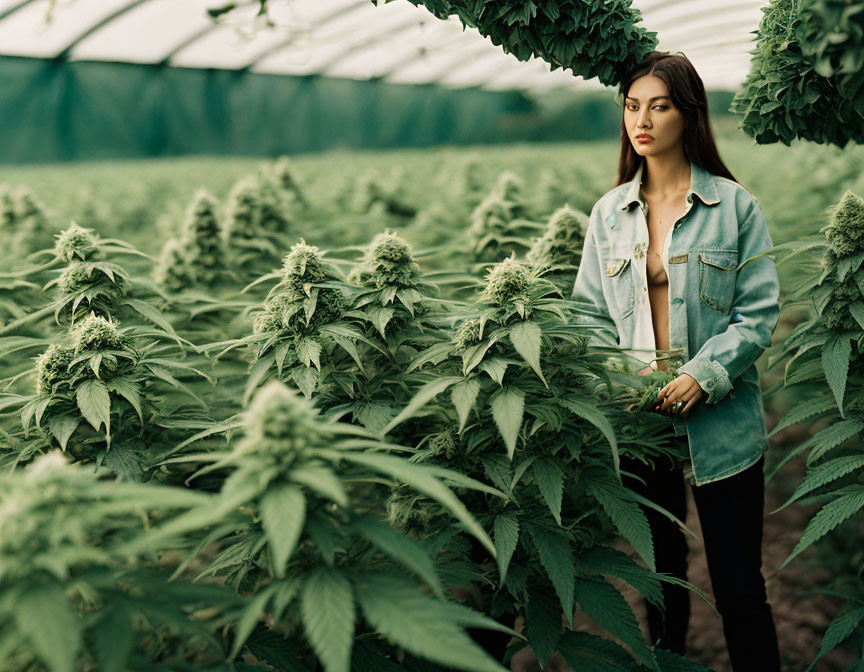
x,y
351,38
44,29
147,33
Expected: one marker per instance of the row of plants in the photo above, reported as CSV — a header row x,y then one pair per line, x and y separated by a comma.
x,y
297,525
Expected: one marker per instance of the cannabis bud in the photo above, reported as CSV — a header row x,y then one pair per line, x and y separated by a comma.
x,y
270,319
52,368
243,210
171,271
282,424
505,280
443,445
302,265
389,262
97,333
75,243
561,243
508,186
845,231
201,236
467,334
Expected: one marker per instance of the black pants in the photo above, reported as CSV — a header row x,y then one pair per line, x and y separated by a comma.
x,y
730,513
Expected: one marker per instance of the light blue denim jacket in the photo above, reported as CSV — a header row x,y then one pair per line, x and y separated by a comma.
x,y
723,306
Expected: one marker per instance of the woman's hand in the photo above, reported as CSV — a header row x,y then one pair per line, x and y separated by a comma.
x,y
683,388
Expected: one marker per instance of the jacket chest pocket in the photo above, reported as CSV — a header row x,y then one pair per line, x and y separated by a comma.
x,y
717,277
619,273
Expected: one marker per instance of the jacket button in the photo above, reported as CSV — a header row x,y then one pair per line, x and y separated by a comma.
x,y
677,299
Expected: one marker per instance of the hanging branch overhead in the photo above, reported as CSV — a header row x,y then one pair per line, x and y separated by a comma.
x,y
594,38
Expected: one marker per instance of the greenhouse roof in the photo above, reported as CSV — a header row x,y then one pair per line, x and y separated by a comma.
x,y
396,42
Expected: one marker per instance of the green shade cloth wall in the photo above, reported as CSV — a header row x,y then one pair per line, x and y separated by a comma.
x,y
57,110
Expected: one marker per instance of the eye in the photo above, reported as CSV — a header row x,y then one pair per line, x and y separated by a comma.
x,y
662,107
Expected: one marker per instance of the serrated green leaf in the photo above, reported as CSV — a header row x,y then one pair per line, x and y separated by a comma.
x,y
823,474
839,630
506,530
508,407
45,618
526,338
495,367
62,427
828,438
94,402
421,479
542,623
328,612
129,391
625,514
283,512
828,517
404,550
590,653
387,600
608,608
835,362
423,396
309,352
550,480
606,560
463,395
556,556
590,413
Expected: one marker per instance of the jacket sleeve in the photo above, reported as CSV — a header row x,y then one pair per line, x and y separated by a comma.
x,y
587,295
755,312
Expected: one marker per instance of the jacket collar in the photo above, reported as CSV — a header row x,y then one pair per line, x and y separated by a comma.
x,y
702,183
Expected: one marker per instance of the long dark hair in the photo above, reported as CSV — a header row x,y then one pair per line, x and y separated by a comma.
x,y
688,95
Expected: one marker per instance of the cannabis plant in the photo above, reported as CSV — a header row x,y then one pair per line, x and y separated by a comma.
x,y
24,222
198,256
298,331
826,369
257,221
287,177
391,303
69,597
578,36
92,390
298,528
524,414
559,250
498,225
816,44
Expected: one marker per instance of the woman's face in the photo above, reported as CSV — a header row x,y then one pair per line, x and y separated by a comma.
x,y
649,110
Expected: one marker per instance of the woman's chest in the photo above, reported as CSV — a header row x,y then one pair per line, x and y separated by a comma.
x,y
660,214
676,228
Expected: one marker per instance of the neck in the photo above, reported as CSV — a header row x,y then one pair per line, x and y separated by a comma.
x,y
666,174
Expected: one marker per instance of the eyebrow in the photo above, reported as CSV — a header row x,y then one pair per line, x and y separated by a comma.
x,y
649,100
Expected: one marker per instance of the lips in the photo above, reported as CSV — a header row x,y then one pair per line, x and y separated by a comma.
x,y
644,136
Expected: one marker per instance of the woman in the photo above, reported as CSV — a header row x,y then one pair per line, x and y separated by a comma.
x,y
683,276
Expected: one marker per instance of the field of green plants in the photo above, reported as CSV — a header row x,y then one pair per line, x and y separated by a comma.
x,y
333,412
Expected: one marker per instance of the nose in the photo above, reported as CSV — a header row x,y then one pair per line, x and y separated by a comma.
x,y
642,119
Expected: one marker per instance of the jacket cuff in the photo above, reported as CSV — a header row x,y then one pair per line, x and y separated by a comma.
x,y
711,376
